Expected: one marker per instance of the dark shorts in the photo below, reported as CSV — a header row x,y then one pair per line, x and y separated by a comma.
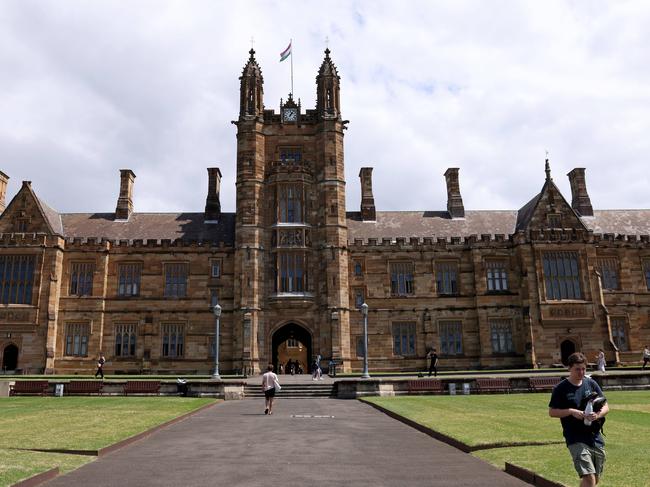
x,y
270,392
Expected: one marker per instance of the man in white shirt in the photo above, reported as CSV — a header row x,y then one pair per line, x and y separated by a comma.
x,y
269,384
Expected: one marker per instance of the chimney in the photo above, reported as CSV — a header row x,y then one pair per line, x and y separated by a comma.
x,y
125,200
4,179
368,212
579,197
212,203
454,199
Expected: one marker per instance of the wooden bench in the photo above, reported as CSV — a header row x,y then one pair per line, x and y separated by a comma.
x,y
539,384
492,384
425,385
84,387
29,387
142,387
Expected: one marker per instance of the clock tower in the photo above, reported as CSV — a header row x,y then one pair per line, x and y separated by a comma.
x,y
291,257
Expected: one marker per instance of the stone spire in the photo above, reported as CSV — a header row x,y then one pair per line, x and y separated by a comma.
x,y
251,104
328,83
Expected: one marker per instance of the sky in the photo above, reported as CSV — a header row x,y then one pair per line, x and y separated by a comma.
x,y
91,87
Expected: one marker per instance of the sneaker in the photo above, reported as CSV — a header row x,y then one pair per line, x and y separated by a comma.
x,y
320,378
266,411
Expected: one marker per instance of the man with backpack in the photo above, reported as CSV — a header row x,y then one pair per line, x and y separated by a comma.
x,y
581,406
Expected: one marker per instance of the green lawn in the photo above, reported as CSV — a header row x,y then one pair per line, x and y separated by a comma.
x,y
488,419
81,423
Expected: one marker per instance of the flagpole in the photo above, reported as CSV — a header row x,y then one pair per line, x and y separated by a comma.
x,y
291,44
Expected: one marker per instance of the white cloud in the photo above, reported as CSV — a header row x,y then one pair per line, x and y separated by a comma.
x,y
89,88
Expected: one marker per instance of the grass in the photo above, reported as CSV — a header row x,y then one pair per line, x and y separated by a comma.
x,y
488,419
74,423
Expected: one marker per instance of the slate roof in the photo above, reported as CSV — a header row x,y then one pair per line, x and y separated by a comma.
x,y
158,226
52,216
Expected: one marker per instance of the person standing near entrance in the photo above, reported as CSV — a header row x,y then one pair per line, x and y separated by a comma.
x,y
646,356
100,366
600,360
269,385
433,365
581,429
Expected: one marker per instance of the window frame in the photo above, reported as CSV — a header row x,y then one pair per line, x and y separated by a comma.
x,y
76,339
447,339
130,330
451,285
402,278
498,279
404,337
132,279
553,289
646,272
355,294
501,332
176,284
215,263
620,328
17,277
291,271
609,268
167,331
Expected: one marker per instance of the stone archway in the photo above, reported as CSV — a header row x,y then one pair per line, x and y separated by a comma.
x,y
10,357
292,331
567,347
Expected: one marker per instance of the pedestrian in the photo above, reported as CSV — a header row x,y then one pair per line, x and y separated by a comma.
x,y
600,360
270,385
433,364
317,373
100,366
581,428
280,369
646,356
290,367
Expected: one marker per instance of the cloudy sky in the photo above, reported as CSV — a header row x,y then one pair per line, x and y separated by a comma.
x,y
90,87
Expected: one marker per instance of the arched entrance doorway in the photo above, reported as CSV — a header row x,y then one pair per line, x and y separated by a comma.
x,y
291,341
567,347
10,357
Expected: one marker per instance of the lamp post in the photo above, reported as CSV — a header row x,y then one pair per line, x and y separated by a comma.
x,y
364,312
217,316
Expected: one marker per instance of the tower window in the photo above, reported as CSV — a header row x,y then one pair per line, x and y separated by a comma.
x,y
291,272
291,203
290,155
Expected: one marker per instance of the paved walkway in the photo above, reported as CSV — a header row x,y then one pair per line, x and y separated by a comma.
x,y
306,442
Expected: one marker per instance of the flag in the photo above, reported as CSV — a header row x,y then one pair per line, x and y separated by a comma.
x,y
286,53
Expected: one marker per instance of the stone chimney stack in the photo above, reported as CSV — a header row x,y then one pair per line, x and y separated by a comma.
x,y
212,203
454,199
579,197
125,200
368,212
4,179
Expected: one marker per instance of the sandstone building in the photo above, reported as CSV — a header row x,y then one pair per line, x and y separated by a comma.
x,y
291,267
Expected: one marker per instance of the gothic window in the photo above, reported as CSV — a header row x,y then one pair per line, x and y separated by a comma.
x,y
401,278
16,279
359,297
501,336
22,225
214,297
172,340
451,338
291,272
81,278
358,268
290,203
447,278
619,333
497,275
404,339
215,268
561,275
608,269
125,340
129,279
76,339
176,280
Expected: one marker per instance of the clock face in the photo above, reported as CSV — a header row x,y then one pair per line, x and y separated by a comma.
x,y
290,114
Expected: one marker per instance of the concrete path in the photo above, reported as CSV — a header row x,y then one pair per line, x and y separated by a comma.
x,y
306,442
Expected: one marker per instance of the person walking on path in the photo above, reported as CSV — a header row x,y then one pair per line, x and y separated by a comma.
x,y
317,373
100,366
581,428
433,365
646,356
269,385
600,360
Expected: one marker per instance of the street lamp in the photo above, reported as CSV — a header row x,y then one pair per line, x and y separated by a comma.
x,y
364,312
217,315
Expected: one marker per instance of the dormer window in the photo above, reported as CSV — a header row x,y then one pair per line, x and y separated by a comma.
x,y
554,220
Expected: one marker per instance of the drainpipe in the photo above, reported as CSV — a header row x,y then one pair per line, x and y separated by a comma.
x,y
608,321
